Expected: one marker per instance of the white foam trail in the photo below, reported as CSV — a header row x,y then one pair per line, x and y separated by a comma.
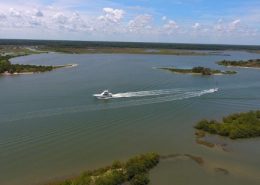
x,y
145,93
209,91
177,95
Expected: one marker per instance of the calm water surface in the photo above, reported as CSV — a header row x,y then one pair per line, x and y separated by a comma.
x,y
52,127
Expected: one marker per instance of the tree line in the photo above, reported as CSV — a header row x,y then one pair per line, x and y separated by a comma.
x,y
7,66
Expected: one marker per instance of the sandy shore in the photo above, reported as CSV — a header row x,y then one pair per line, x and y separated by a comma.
x,y
11,74
69,65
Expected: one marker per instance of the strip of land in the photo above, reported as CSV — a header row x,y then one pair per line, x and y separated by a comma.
x,y
254,63
81,49
198,70
7,68
113,50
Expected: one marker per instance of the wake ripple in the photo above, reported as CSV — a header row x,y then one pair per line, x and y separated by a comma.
x,y
160,97
146,93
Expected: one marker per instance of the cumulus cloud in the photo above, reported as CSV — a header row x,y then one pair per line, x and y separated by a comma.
x,y
60,18
14,13
106,22
170,26
228,27
234,24
2,16
39,13
112,15
70,22
140,23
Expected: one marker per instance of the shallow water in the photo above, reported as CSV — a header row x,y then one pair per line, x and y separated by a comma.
x,y
51,126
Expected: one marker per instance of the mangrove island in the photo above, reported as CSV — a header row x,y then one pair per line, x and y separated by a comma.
x,y
254,63
234,126
198,70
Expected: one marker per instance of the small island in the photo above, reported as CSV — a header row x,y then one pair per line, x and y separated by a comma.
x,y
255,63
198,70
134,172
6,68
234,126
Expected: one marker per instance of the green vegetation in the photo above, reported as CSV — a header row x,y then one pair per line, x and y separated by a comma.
x,y
7,67
100,44
18,50
198,70
250,63
117,50
134,171
241,125
94,49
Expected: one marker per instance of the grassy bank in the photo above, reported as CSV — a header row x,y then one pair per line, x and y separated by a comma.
x,y
234,126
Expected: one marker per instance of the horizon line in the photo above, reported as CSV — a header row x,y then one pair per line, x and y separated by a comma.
x,y
106,41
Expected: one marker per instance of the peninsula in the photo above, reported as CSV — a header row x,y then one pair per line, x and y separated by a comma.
x,y
7,68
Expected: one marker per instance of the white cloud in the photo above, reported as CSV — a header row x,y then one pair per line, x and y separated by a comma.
x,y
112,15
2,16
121,22
228,27
218,27
14,13
60,18
39,13
140,23
234,25
170,26
196,26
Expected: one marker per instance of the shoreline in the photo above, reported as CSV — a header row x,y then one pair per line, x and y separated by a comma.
x,y
68,65
30,73
244,67
217,74
189,72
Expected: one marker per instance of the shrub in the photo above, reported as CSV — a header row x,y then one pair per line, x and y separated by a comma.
x,y
241,125
140,179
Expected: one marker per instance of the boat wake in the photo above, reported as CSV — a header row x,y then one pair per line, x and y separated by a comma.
x,y
152,97
145,93
162,92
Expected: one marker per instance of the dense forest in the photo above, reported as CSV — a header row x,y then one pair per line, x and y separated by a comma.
x,y
240,125
134,171
96,44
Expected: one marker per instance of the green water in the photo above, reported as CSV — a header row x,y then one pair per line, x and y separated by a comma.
x,y
52,127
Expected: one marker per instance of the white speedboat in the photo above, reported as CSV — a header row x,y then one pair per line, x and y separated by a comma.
x,y
104,95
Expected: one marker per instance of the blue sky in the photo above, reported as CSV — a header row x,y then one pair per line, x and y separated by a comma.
x,y
182,21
